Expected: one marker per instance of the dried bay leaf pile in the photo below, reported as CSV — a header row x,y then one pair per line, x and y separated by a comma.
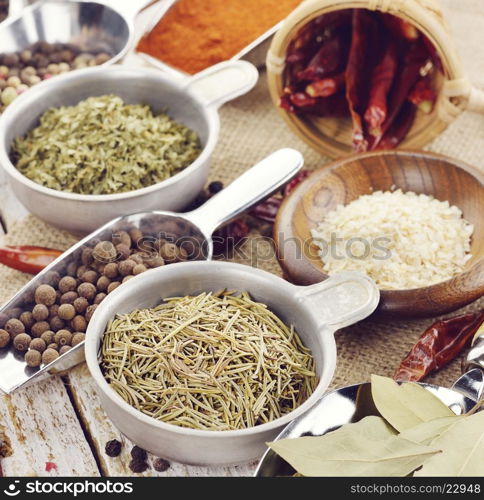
x,y
416,434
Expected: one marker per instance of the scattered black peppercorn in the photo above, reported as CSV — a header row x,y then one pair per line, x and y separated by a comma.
x,y
113,448
139,454
161,465
138,466
215,186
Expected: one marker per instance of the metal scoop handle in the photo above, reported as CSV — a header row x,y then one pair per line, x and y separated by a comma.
x,y
253,186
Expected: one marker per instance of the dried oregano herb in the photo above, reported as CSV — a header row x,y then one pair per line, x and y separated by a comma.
x,y
104,146
214,361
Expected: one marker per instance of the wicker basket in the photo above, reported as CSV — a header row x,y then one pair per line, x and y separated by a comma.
x,y
332,136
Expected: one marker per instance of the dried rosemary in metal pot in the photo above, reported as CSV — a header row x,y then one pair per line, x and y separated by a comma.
x,y
215,362
104,146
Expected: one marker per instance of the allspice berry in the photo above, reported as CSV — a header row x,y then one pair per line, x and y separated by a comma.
x,y
86,256
67,284
38,345
53,310
22,341
77,338
104,251
127,278
33,358
89,312
111,270
39,328
90,276
53,346
136,236
121,238
68,297
139,268
4,338
123,251
64,349
14,327
103,282
63,337
126,267
67,311
99,298
112,286
56,323
137,258
87,290
169,252
79,323
45,294
80,305
49,355
40,312
80,271
27,319
48,337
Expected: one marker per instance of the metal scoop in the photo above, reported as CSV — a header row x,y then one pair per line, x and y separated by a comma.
x,y
192,230
106,26
354,402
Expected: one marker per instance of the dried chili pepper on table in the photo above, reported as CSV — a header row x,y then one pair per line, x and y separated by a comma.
x,y
438,345
423,95
381,82
364,28
26,258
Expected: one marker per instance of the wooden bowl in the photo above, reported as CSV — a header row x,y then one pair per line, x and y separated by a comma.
x,y
345,180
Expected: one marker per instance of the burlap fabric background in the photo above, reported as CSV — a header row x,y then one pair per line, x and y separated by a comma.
x,y
250,130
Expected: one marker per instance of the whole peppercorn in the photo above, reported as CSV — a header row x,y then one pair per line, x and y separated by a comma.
x,y
63,337
3,319
113,286
27,319
104,251
77,338
79,323
56,324
40,312
138,453
113,448
137,258
103,282
127,278
39,328
161,465
169,252
4,338
80,305
90,276
38,345
139,268
99,298
123,251
33,358
52,278
45,294
48,337
81,270
111,270
22,341
64,349
14,327
215,186
67,284
137,466
70,271
121,238
54,310
154,261
49,355
67,311
68,297
86,256
14,313
89,312
136,237
126,267
87,290
53,346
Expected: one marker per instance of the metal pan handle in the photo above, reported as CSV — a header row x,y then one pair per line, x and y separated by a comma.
x,y
341,300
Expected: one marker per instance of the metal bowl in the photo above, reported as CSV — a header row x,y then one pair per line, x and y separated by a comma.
x,y
316,313
192,101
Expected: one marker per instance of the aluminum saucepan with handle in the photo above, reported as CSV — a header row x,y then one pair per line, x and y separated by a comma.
x,y
192,229
316,312
193,102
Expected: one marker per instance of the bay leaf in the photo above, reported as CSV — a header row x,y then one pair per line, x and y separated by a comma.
x,y
427,432
406,405
462,448
366,448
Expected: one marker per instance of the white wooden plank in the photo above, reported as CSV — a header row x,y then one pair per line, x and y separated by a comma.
x,y
39,425
101,430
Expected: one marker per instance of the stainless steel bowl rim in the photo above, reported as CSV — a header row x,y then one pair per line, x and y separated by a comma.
x,y
91,352
36,92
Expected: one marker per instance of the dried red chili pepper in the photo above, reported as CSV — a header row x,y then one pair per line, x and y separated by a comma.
x,y
286,104
438,345
434,55
423,95
28,259
380,84
302,100
227,237
326,86
296,181
364,27
267,210
399,128
400,27
414,60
